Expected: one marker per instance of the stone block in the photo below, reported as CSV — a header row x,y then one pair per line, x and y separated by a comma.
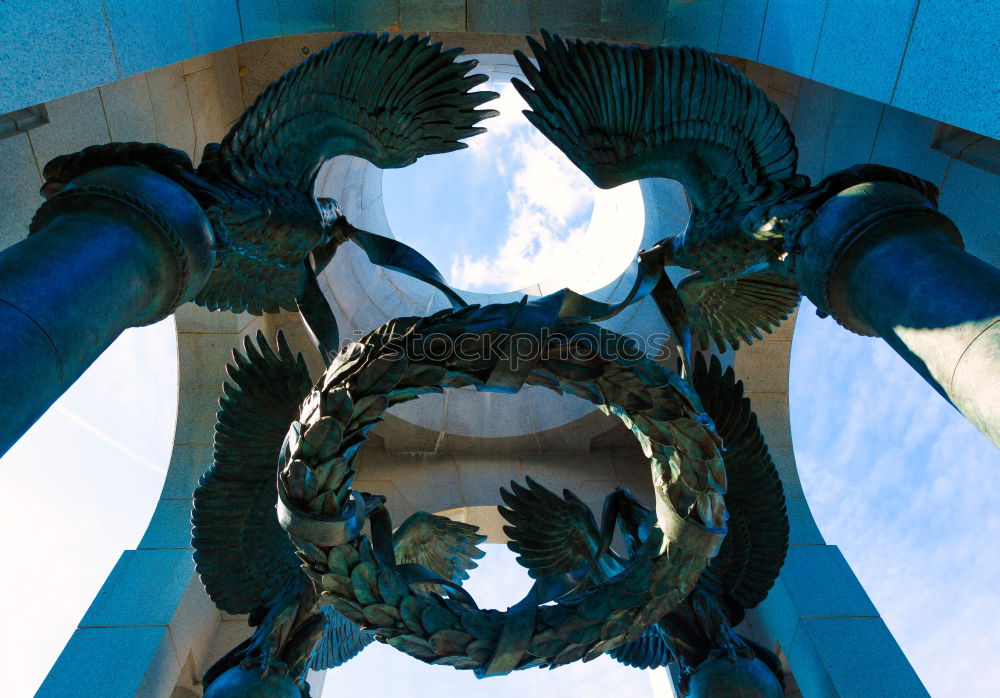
x,y
967,197
779,616
785,102
209,92
742,28
695,24
791,35
193,318
851,658
432,15
204,357
630,463
40,34
129,110
763,365
571,470
171,108
114,663
640,21
403,436
187,464
874,36
813,111
480,477
802,525
819,582
144,588
75,122
549,409
784,461
196,408
577,19
964,33
772,417
486,415
230,93
366,15
150,36
306,16
20,181
215,24
499,16
367,317
194,626
572,437
170,526
259,19
904,141
852,132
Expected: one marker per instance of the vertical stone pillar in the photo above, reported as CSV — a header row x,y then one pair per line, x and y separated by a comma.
x,y
885,262
118,247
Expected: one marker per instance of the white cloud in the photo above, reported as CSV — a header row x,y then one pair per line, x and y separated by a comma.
x,y
906,487
551,235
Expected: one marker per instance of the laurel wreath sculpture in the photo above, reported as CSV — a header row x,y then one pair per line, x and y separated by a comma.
x,y
409,357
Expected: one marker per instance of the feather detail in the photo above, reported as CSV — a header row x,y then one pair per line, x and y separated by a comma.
x,y
754,550
241,552
739,308
447,548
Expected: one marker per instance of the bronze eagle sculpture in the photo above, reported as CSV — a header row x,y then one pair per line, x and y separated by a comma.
x,y
248,563
622,113
387,100
559,542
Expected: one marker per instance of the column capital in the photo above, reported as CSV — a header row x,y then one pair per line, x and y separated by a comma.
x,y
155,208
850,223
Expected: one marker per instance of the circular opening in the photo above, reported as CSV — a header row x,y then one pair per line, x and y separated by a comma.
x,y
511,212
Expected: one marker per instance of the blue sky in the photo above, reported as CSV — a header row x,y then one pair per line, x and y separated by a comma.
x,y
894,475
511,210
80,488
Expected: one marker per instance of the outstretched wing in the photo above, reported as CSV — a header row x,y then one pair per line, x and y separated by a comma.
x,y
243,284
754,548
650,651
241,552
738,308
446,547
626,113
388,100
342,640
551,536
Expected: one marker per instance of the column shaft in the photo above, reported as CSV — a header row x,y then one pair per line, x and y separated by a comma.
x,y
939,308
883,261
119,247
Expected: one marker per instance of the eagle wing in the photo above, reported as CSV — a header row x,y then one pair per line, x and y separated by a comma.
x,y
738,308
243,284
625,113
388,100
241,552
447,548
650,651
341,640
552,536
754,549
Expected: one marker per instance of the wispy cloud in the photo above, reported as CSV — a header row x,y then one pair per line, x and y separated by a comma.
x,y
109,439
906,487
550,230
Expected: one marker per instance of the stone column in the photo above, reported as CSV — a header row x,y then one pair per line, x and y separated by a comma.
x,y
118,247
883,261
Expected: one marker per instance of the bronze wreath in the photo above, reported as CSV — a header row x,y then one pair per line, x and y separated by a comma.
x,y
408,357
